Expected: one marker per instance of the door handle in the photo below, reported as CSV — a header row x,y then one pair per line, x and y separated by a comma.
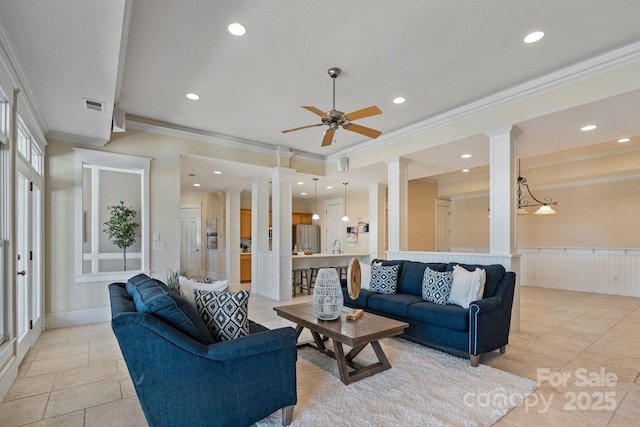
x,y
22,273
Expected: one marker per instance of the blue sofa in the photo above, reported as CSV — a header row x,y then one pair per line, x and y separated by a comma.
x,y
183,378
481,328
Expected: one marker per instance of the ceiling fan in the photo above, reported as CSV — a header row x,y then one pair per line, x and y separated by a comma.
x,y
335,118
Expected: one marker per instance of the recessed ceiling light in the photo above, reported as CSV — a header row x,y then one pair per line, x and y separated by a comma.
x,y
237,29
196,185
300,183
399,100
588,127
534,37
466,156
329,187
303,194
624,140
193,96
217,172
465,170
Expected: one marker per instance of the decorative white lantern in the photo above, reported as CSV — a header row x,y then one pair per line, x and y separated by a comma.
x,y
327,295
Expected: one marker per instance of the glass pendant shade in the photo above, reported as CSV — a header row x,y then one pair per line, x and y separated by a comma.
x,y
545,210
315,217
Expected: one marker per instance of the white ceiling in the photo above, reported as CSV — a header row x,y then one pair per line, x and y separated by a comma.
x,y
146,55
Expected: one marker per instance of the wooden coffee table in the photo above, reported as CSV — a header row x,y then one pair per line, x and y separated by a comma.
x,y
367,329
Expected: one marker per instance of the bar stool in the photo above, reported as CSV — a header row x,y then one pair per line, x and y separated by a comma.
x,y
300,277
342,271
313,275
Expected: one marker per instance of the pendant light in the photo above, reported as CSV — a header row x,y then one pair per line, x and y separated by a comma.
x,y
524,200
315,216
345,218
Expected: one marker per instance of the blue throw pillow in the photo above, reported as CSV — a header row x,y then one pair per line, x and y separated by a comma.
x,y
384,278
436,286
149,297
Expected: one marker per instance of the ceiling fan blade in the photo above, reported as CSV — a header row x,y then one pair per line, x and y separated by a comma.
x,y
365,112
371,133
302,127
315,110
328,137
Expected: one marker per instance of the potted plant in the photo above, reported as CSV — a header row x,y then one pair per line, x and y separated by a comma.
x,y
121,228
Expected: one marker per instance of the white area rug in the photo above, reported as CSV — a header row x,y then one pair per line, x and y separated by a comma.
x,y
424,387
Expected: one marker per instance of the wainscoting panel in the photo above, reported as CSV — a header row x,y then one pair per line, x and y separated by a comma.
x,y
609,271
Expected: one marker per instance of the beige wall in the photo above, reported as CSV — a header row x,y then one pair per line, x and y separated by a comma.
x,y
422,196
600,215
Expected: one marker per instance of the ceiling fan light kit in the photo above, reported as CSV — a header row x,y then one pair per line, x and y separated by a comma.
x,y
336,118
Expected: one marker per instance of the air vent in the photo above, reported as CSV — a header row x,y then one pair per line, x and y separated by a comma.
x,y
91,104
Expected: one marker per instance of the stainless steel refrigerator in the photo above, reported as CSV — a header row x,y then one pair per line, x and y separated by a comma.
x,y
306,236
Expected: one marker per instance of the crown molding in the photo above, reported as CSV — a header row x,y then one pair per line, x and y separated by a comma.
x,y
168,129
13,67
603,154
567,76
79,139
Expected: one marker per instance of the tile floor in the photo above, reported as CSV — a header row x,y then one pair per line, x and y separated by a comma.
x,y
76,376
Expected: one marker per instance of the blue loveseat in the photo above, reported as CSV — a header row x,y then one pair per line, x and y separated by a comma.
x,y
481,328
183,378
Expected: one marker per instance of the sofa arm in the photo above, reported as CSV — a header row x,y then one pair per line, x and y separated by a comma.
x,y
490,319
261,342
486,304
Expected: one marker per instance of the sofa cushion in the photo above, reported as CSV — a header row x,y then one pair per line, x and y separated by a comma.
x,y
384,279
226,314
467,286
445,315
360,302
149,297
495,274
436,286
410,279
386,262
395,305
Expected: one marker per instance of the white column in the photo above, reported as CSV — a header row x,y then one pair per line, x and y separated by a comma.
x,y
232,234
502,187
377,227
502,202
280,286
398,204
259,230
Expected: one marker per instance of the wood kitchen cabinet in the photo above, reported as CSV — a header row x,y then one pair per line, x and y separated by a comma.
x,y
245,223
301,218
245,268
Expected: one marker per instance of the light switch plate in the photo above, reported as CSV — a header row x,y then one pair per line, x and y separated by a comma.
x,y
159,246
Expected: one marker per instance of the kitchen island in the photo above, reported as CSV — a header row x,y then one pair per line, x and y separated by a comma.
x,y
327,259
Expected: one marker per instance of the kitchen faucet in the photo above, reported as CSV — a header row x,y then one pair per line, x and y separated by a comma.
x,y
337,241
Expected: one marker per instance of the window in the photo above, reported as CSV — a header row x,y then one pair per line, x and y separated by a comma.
x,y
103,180
4,118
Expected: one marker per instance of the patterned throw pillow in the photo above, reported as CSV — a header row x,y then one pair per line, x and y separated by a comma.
x,y
225,313
436,286
384,279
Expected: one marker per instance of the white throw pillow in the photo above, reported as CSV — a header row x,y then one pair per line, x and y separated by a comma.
x,y
365,275
187,286
467,286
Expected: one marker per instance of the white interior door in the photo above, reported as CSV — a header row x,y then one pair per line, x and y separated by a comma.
x,y
190,246
334,231
29,284
443,211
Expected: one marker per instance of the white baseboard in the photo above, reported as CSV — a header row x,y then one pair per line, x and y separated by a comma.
x,y
77,318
